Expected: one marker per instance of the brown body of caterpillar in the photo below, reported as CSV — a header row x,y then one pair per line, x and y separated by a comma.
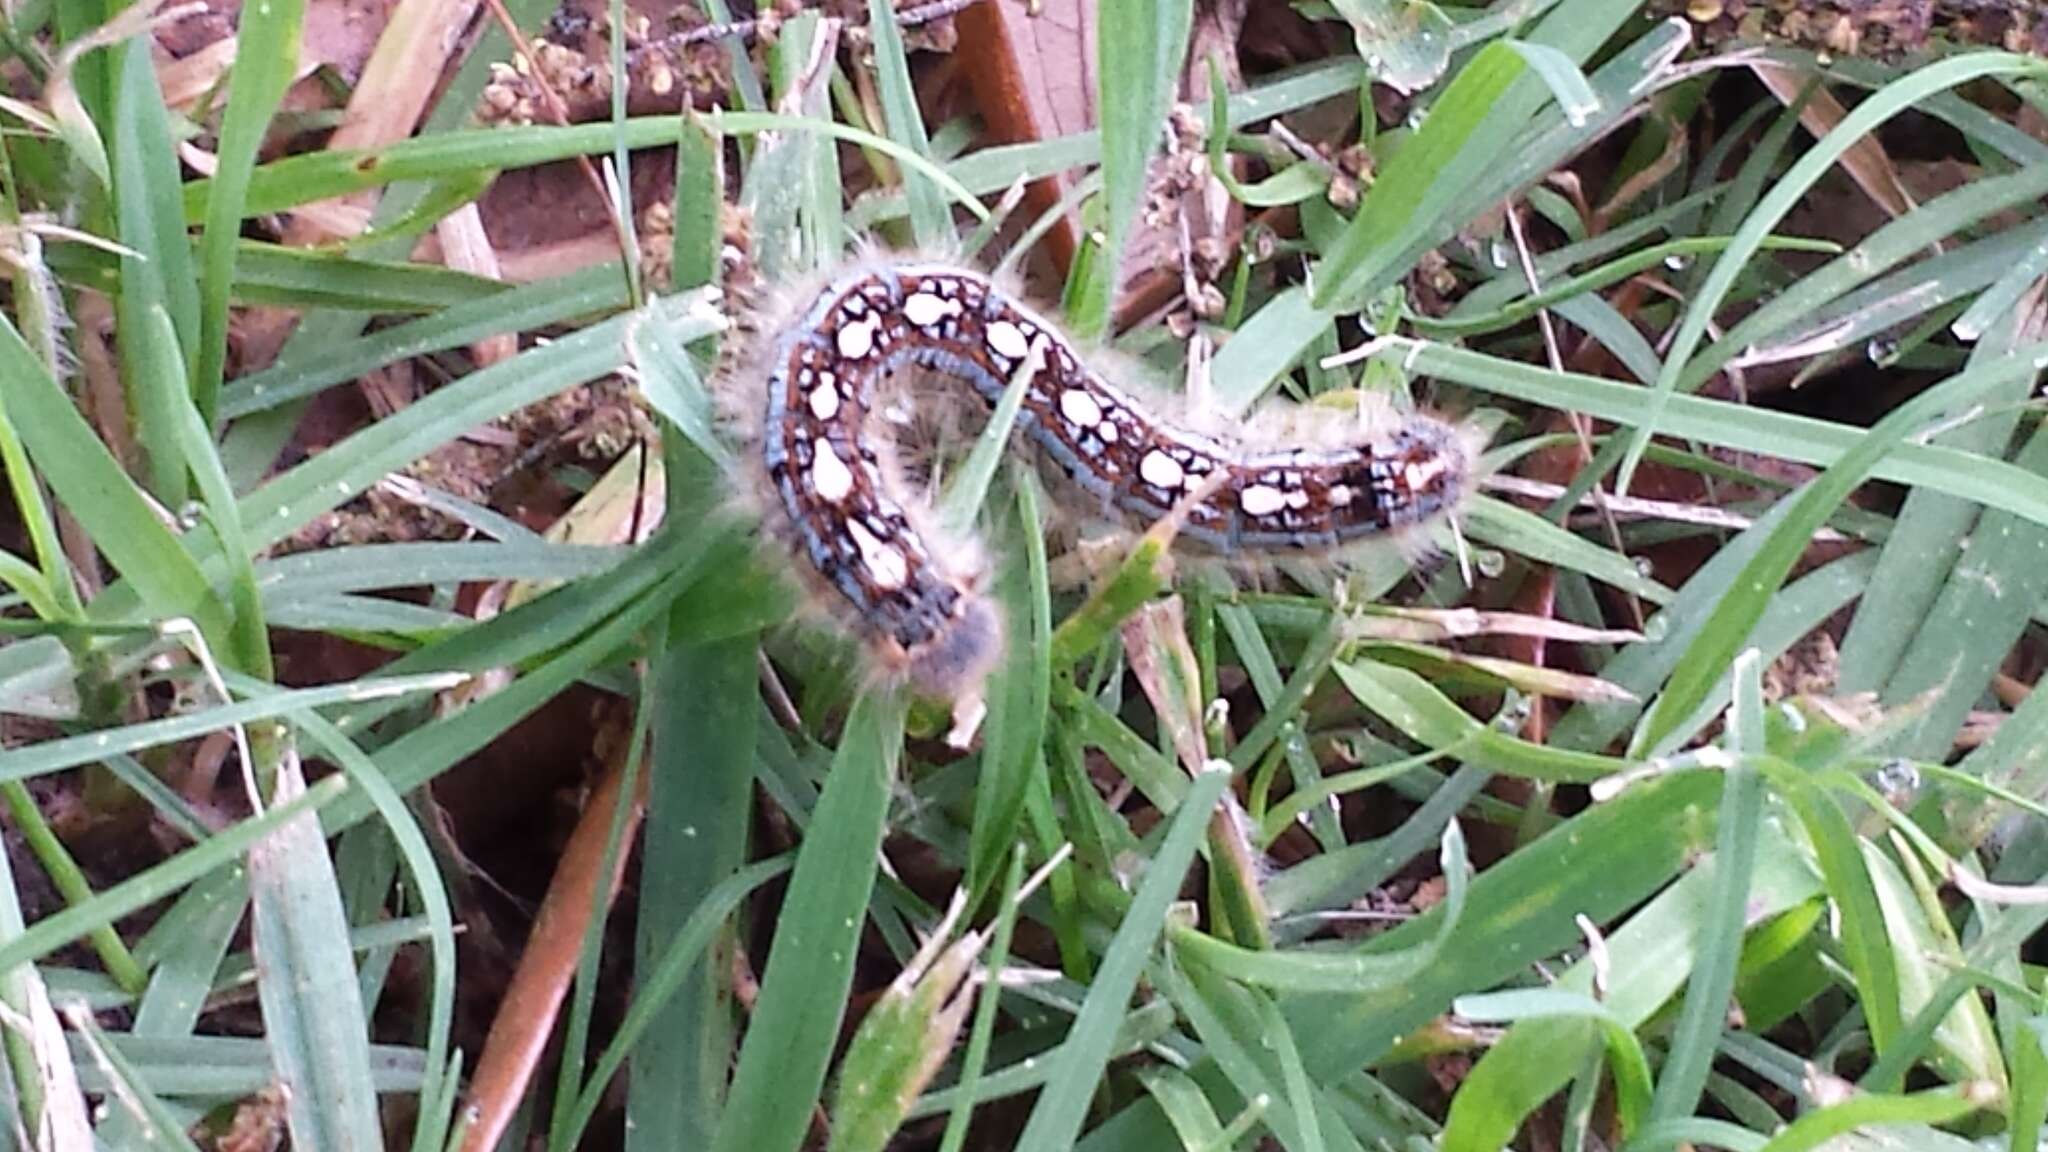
x,y
925,614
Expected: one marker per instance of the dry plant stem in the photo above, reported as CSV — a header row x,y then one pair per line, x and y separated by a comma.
x,y
558,110
1639,508
397,83
1865,161
526,1014
1578,421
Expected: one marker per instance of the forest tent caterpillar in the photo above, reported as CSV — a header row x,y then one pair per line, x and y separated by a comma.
x,y
916,597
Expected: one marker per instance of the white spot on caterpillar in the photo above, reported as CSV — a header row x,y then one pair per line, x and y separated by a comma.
x,y
829,475
1261,500
886,566
1107,430
858,338
824,401
1422,472
1340,496
1297,499
1081,408
1007,340
925,310
1160,470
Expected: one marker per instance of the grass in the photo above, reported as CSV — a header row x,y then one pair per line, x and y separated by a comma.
x,y
1665,903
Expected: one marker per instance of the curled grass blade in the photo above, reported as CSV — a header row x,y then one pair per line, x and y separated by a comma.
x,y
1344,972
1646,961
1416,707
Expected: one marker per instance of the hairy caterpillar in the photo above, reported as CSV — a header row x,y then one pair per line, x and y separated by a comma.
x,y
827,464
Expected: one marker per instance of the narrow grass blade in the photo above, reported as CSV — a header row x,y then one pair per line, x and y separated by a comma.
x,y
87,478
1917,564
432,896
930,221
1933,1107
1139,48
699,806
141,1115
147,887
1417,708
1690,1056
803,992
1880,106
1750,429
72,751
680,956
156,268
313,1014
1013,737
1350,972
540,304
1728,627
1565,1012
266,62
1063,1105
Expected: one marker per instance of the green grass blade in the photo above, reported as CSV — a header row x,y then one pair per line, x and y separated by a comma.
x,y
1063,1105
72,751
422,870
1933,1107
803,992
1690,1056
699,807
1139,47
1919,557
1013,736
151,225
1882,105
1647,961
1728,627
1749,429
1416,707
266,62
313,1017
147,887
679,957
87,478
930,221
154,1126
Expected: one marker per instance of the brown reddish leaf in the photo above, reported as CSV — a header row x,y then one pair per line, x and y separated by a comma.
x,y
526,1016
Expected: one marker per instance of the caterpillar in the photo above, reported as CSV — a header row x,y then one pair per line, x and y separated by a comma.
x,y
826,462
